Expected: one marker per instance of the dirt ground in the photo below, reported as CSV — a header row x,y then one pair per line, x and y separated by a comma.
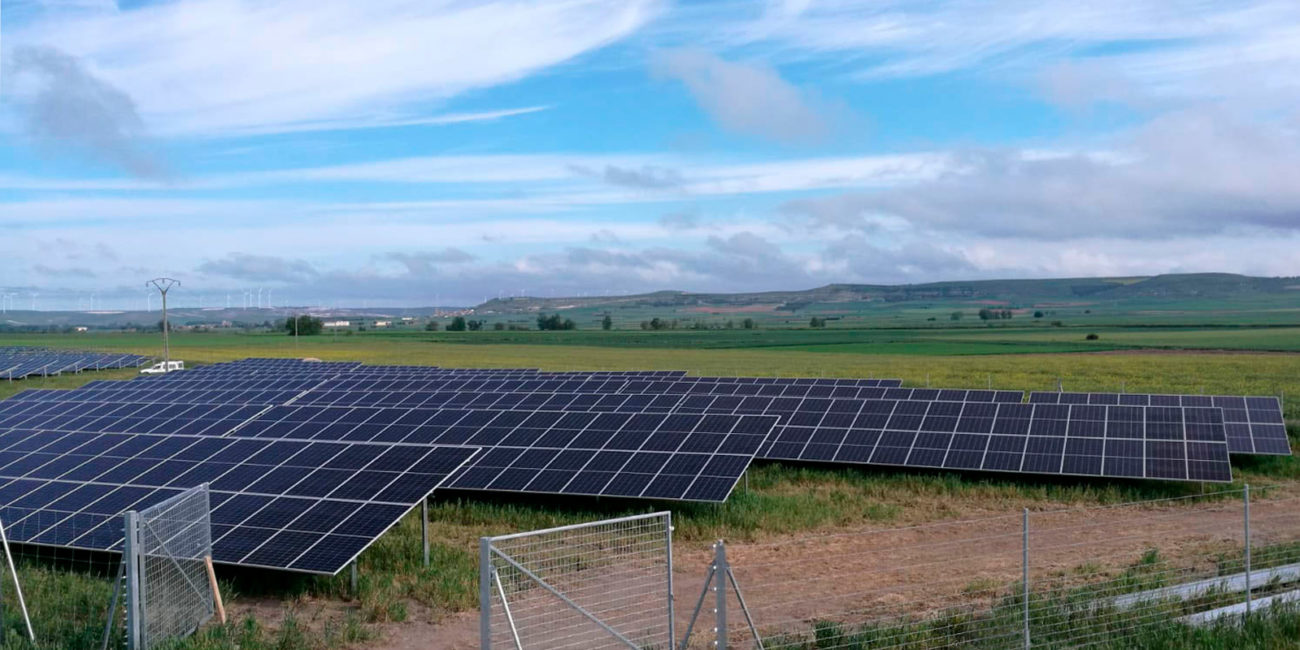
x,y
880,573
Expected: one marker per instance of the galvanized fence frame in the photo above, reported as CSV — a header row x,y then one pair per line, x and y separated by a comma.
x,y
603,584
165,563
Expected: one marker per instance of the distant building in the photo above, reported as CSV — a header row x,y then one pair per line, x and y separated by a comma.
x,y
337,323
383,323
82,328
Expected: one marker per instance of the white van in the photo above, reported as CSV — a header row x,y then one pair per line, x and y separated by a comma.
x,y
163,367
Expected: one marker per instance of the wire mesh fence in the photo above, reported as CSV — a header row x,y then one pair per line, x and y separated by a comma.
x,y
1074,577
168,550
606,584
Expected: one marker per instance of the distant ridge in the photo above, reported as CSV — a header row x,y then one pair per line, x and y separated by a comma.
x,y
1170,286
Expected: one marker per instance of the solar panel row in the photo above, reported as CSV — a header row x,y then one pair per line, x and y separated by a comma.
x,y
303,506
1254,425
654,435
23,362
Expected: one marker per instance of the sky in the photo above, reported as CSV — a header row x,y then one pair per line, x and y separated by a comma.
x,y
413,152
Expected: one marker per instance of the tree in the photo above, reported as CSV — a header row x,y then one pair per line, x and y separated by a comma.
x,y
986,314
607,323
498,326
305,326
1038,314
457,324
817,322
431,326
474,325
748,324
554,321
954,316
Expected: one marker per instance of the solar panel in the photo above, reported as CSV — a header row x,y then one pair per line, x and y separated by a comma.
x,y
19,362
684,457
1165,443
1254,424
292,505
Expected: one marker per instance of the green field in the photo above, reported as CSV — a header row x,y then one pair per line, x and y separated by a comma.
x,y
780,500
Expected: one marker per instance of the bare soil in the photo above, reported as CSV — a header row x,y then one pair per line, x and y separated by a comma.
x,y
879,573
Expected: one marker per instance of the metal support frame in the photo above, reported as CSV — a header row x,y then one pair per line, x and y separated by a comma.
x,y
1024,578
424,529
18,588
505,606
112,603
352,578
163,285
672,618
720,593
485,592
1245,502
716,579
131,560
699,605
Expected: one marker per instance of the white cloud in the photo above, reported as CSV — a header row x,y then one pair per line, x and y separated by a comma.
x,y
746,98
216,66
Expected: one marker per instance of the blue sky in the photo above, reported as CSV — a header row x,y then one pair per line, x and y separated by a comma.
x,y
401,152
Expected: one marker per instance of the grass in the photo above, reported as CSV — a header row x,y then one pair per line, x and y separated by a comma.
x,y
780,500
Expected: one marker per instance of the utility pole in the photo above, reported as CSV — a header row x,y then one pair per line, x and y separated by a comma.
x,y
164,285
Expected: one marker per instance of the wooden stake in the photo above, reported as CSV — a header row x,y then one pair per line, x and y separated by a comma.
x,y
216,592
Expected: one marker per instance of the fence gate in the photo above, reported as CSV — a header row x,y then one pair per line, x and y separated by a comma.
x,y
165,562
605,584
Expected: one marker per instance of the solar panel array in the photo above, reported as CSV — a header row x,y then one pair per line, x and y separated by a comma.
x,y
1254,425
300,506
654,435
23,362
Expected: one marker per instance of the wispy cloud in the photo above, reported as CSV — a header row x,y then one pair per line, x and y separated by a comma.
x,y
223,66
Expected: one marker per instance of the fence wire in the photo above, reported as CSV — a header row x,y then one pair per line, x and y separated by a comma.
x,y
175,539
601,585
1077,577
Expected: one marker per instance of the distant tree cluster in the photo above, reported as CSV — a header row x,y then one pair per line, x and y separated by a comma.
x,y
955,316
555,322
995,314
304,325
607,323
432,326
816,322
657,323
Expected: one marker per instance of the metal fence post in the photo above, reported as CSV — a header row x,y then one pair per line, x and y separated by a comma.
x,y
130,555
1024,578
485,593
424,529
1245,500
720,586
672,615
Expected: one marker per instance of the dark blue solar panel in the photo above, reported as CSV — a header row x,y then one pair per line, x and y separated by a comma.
x,y
1253,425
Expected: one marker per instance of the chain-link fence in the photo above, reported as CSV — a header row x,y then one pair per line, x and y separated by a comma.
x,y
168,548
606,584
1075,577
